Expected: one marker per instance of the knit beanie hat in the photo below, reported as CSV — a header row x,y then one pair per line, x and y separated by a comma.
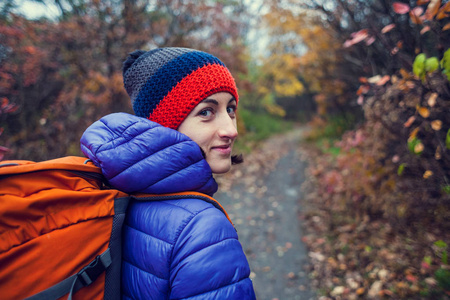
x,y
166,84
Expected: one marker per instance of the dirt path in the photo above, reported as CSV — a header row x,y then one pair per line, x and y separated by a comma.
x,y
262,197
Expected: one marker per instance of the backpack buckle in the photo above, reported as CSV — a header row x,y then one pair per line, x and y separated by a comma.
x,y
91,272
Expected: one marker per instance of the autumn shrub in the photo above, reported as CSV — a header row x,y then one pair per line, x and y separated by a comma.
x,y
415,115
380,205
397,165
385,192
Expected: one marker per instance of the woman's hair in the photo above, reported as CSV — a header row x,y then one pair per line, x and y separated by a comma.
x,y
166,84
237,159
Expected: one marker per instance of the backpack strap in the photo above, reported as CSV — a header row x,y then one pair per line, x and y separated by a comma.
x,y
181,195
72,284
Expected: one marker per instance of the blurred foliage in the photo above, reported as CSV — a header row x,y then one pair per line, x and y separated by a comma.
x,y
259,126
385,189
65,73
309,70
381,188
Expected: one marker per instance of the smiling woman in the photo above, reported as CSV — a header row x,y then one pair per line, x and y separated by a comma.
x,y
184,245
212,125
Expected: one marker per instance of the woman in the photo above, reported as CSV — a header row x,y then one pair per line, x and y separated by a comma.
x,y
184,247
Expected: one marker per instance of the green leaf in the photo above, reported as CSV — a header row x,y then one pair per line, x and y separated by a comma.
x,y
431,64
419,65
445,63
413,146
443,278
446,189
400,169
427,259
447,140
441,244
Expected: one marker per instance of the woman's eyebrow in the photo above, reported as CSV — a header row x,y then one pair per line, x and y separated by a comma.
x,y
213,101
208,100
231,100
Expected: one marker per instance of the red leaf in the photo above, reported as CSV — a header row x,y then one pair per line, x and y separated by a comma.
x,y
4,103
357,37
3,150
425,29
411,278
387,28
363,80
363,89
360,100
418,11
401,8
370,40
383,80
409,122
425,265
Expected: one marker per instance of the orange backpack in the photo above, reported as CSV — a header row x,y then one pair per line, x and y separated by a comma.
x,y
61,229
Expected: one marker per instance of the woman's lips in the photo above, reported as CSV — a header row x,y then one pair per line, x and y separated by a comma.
x,y
225,149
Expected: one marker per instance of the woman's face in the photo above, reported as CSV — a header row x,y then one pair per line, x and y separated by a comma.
x,y
212,125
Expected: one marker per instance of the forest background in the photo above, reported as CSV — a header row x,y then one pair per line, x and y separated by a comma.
x,y
370,78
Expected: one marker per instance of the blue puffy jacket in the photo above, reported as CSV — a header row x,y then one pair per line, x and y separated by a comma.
x,y
173,249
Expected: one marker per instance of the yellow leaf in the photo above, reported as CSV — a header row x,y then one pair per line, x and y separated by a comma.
x,y
443,12
446,27
438,155
410,84
427,174
394,79
404,74
374,79
413,133
432,9
415,18
436,125
424,112
432,99
419,148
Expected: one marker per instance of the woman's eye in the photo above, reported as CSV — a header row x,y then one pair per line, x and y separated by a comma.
x,y
231,110
205,113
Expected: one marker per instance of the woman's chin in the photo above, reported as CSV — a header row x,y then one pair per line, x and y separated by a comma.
x,y
220,168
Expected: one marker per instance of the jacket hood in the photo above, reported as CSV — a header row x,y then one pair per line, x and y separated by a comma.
x,y
138,155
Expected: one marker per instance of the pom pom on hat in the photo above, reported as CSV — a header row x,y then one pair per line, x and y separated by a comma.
x,y
165,84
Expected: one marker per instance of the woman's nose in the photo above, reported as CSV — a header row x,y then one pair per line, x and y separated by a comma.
x,y
227,128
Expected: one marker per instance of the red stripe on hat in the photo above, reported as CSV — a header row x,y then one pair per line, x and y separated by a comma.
x,y
191,90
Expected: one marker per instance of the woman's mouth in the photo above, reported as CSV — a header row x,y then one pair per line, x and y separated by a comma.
x,y
223,149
